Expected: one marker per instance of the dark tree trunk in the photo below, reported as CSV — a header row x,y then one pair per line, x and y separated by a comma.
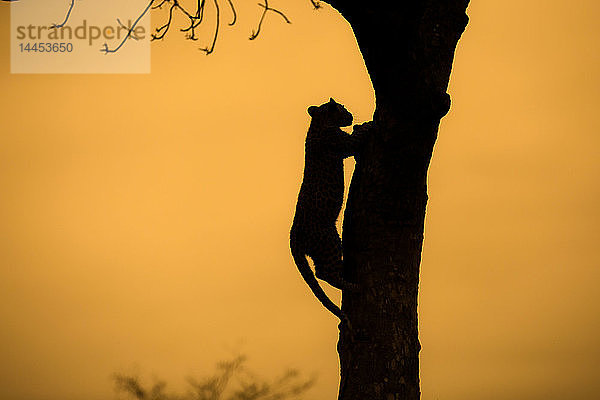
x,y
408,48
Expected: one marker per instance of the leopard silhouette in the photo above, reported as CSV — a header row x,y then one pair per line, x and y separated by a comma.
x,y
313,231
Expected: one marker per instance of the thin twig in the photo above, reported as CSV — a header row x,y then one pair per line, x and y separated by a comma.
x,y
210,49
66,18
266,8
105,49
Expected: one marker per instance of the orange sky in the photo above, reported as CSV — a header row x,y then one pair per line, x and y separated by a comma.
x,y
145,218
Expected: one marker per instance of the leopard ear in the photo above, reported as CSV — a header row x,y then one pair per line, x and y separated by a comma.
x,y
311,110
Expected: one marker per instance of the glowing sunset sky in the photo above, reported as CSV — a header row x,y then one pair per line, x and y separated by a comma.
x,y
145,218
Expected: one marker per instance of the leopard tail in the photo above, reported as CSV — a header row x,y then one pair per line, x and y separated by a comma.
x,y
313,284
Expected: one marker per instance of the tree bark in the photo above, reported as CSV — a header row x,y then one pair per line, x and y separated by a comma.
x,y
408,48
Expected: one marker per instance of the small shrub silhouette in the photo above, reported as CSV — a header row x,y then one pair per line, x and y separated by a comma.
x,y
231,381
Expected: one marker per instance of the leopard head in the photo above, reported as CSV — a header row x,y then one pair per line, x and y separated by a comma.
x,y
330,114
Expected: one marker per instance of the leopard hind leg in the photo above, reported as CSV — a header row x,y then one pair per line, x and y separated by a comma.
x,y
327,257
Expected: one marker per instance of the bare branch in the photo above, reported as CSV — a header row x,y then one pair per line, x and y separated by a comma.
x,y
162,31
234,13
105,49
160,5
195,19
66,17
266,8
210,49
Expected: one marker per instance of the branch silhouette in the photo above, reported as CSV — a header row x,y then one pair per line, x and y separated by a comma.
x,y
66,17
195,18
266,8
106,50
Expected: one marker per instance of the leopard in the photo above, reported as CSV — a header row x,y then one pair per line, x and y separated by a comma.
x,y
313,233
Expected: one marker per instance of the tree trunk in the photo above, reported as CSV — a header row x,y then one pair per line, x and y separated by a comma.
x,y
408,48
